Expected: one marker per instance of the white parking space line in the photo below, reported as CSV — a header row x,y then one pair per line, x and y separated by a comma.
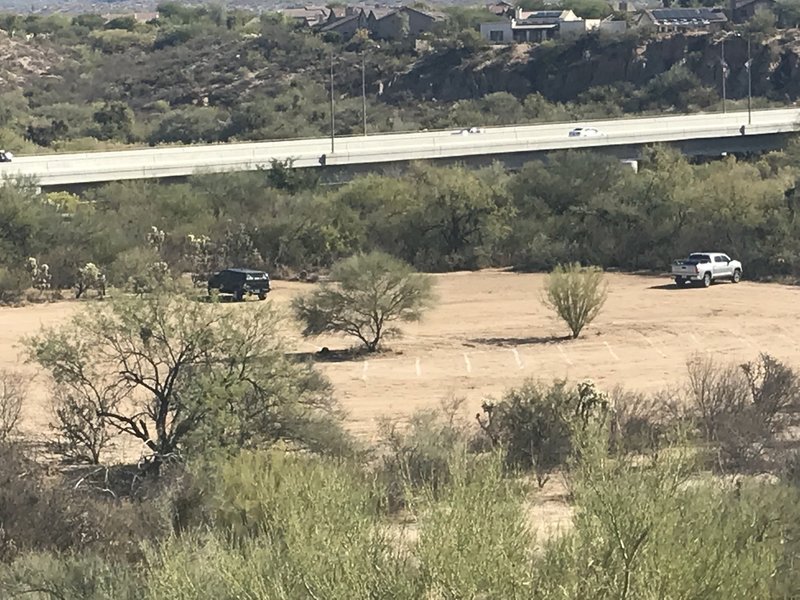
x,y
517,358
652,345
467,363
364,371
418,368
564,355
696,341
611,350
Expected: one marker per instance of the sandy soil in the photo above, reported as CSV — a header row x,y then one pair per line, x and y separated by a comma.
x,y
490,331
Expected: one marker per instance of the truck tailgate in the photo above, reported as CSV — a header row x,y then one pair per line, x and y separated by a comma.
x,y
683,269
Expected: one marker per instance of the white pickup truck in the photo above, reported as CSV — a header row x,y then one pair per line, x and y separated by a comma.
x,y
705,267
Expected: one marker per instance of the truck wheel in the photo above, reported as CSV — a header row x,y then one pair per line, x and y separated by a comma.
x,y
680,282
238,295
707,280
262,295
737,276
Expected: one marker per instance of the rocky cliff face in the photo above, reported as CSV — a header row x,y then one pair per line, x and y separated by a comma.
x,y
560,72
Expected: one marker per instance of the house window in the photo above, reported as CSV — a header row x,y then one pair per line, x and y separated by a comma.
x,y
496,36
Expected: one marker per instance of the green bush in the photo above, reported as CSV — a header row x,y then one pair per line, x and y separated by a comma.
x,y
43,512
576,294
85,575
194,376
641,423
419,454
650,526
13,283
298,527
372,291
535,425
744,411
474,539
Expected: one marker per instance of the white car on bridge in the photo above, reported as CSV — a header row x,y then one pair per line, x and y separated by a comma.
x,y
470,130
584,132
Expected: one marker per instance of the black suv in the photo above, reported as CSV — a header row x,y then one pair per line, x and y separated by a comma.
x,y
238,282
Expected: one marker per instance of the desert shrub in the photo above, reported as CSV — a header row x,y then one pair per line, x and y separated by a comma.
x,y
13,283
86,575
534,425
639,422
649,527
715,391
136,267
420,453
474,540
287,526
372,292
743,410
42,511
81,433
576,294
13,389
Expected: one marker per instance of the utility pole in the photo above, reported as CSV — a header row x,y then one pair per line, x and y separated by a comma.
x,y
724,74
333,121
364,91
749,82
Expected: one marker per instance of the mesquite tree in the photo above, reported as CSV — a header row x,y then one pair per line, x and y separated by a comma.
x,y
179,375
372,292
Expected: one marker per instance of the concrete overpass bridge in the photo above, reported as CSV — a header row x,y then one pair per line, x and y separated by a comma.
x,y
699,134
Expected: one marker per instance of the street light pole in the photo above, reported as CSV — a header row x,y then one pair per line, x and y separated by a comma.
x,y
749,83
724,74
333,118
364,92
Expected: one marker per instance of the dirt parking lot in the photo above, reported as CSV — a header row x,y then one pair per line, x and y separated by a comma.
x,y
489,331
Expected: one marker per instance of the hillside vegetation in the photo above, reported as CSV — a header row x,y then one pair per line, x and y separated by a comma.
x,y
208,74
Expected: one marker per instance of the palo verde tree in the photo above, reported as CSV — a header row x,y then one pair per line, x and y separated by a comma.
x,y
576,294
179,375
372,291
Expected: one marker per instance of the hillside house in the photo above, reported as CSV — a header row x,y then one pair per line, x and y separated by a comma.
x,y
404,22
526,26
501,8
683,19
381,22
308,16
345,25
541,25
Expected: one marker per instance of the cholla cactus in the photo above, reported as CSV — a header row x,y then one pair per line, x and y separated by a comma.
x,y
198,243
239,248
200,253
90,276
591,401
156,238
41,277
158,271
